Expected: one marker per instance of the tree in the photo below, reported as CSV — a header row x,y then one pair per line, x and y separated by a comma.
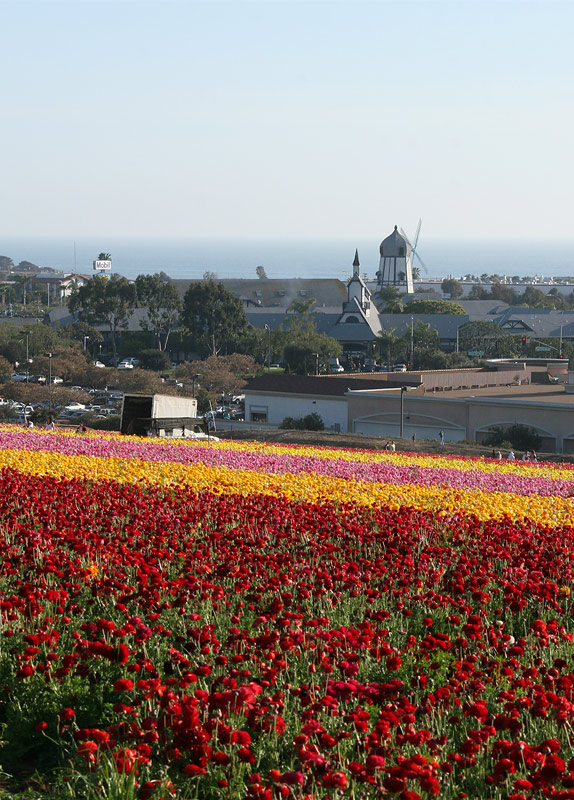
x,y
5,369
433,307
21,287
302,343
388,300
388,345
215,317
452,287
489,338
261,274
504,293
105,301
218,374
162,303
533,297
478,293
143,382
425,344
7,293
6,263
521,437
157,360
82,331
312,422
68,363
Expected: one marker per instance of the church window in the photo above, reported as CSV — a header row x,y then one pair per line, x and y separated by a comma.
x,y
352,319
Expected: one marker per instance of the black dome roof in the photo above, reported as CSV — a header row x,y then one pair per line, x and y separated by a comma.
x,y
394,246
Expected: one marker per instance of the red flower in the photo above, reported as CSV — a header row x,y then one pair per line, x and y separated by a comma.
x,y
123,685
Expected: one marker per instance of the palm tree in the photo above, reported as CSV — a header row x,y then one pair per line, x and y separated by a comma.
x,y
105,257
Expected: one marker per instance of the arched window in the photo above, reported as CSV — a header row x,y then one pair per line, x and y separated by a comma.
x,y
352,319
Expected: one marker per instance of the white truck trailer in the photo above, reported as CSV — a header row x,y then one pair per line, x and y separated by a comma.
x,y
160,415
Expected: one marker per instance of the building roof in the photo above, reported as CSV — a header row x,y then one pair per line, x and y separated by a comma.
x,y
538,322
478,310
446,325
328,385
391,246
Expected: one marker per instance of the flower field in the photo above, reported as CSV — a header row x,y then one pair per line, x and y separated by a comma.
x,y
241,620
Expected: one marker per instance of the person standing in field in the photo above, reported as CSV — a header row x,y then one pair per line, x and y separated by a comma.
x,y
441,438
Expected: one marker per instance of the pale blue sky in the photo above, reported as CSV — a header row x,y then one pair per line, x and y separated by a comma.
x,y
286,119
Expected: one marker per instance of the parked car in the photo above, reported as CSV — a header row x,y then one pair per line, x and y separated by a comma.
x,y
56,379
21,377
76,407
99,364
400,368
125,365
235,413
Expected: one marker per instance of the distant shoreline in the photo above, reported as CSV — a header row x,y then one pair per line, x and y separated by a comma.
x,y
190,259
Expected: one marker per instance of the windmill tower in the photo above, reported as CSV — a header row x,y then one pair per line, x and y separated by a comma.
x,y
395,268
397,260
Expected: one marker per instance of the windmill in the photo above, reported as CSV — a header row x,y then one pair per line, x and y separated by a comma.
x,y
413,246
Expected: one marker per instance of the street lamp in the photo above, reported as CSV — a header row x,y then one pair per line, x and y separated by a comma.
x,y
49,357
85,340
193,379
316,363
403,390
28,359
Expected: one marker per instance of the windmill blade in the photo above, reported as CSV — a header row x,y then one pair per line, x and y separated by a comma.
x,y
416,239
405,237
424,266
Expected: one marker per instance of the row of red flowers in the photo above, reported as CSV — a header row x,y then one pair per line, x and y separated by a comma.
x,y
208,646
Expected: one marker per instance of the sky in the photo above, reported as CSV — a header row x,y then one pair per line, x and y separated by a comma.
x,y
286,118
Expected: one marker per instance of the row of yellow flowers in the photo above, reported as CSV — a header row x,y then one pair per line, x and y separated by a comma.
x,y
308,487
487,466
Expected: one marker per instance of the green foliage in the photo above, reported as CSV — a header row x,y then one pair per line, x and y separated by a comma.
x,y
105,301
312,422
301,342
79,329
111,423
217,374
154,359
521,437
7,412
489,338
214,317
5,369
433,307
388,300
452,287
163,306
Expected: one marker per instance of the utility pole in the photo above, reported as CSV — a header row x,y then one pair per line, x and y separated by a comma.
x,y
402,426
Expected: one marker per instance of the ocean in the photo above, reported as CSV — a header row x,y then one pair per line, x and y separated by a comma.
x,y
333,258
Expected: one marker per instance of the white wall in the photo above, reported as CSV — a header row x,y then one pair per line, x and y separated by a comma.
x,y
333,412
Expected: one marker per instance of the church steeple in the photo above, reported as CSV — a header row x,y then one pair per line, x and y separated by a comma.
x,y
356,287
